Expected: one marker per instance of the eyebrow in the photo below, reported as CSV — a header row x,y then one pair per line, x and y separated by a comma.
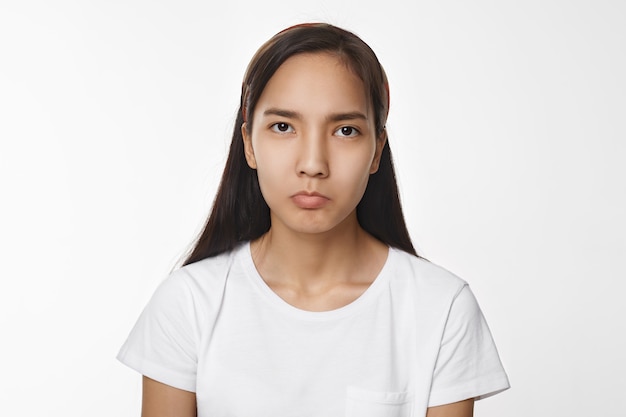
x,y
338,117
282,113
335,117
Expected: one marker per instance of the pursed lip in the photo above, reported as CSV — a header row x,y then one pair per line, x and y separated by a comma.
x,y
309,199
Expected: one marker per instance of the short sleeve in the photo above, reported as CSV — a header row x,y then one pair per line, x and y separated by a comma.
x,y
163,343
468,365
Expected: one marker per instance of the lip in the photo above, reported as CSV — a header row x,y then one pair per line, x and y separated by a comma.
x,y
309,200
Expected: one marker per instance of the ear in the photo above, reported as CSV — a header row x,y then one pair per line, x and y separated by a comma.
x,y
247,147
380,144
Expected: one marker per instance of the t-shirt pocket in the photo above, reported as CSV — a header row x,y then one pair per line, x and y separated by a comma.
x,y
366,403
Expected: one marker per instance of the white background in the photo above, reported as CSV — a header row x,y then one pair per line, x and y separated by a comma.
x,y
508,129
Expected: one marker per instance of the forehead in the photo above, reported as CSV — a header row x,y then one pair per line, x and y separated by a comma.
x,y
315,82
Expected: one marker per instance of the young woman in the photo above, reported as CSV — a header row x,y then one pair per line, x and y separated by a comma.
x,y
303,296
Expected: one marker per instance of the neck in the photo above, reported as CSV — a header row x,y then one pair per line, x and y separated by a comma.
x,y
310,260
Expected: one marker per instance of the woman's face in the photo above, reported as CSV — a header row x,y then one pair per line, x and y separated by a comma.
x,y
313,143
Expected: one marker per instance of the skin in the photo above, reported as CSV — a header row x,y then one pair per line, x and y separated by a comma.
x,y
312,132
160,400
458,409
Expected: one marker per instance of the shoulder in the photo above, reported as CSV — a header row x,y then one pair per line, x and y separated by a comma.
x,y
197,285
208,271
423,276
422,289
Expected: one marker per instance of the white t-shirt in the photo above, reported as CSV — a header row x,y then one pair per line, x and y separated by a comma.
x,y
415,338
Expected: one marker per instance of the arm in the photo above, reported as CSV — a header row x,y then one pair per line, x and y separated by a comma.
x,y
460,409
160,400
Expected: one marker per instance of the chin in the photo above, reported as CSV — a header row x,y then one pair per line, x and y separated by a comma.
x,y
315,226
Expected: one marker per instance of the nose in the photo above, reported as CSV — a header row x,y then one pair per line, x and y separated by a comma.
x,y
313,157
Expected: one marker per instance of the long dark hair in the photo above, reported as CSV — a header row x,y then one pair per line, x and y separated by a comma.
x,y
239,211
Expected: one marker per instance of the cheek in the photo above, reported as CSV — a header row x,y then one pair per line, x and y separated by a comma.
x,y
353,170
271,171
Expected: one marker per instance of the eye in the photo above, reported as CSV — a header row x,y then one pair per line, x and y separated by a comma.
x,y
282,127
347,132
